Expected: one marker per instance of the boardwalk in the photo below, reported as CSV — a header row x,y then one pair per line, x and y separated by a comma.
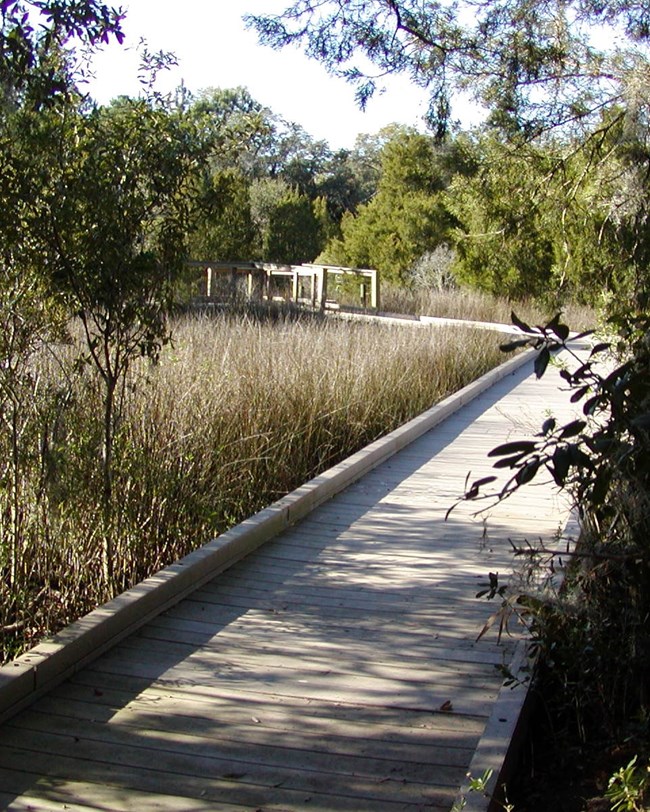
x,y
336,668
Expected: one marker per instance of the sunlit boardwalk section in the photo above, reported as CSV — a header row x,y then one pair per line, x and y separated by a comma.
x,y
336,668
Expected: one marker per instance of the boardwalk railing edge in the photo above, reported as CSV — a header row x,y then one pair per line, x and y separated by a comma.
x,y
499,747
40,669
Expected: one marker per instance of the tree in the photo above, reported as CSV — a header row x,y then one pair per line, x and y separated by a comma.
x,y
34,35
37,82
503,243
570,76
242,133
224,228
534,65
406,217
234,128
289,230
110,219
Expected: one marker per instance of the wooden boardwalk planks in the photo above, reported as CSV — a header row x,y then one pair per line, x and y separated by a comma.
x,y
336,668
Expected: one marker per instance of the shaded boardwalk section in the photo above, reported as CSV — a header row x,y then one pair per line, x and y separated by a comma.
x,y
336,668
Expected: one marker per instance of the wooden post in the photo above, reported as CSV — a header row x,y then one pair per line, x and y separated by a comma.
x,y
312,288
233,283
374,290
208,284
322,288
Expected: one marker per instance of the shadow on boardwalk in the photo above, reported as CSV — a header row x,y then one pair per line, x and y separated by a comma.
x,y
336,668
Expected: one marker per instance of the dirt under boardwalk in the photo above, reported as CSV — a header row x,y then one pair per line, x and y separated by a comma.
x,y
336,668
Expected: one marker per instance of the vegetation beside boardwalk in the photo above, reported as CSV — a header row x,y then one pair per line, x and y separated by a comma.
x,y
101,207
236,412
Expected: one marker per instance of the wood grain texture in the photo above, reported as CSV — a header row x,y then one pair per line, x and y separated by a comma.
x,y
335,668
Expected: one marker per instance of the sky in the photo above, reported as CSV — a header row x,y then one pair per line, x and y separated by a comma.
x,y
214,49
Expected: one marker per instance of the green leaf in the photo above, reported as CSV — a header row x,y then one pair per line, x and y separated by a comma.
x,y
547,426
560,330
599,348
509,462
592,404
561,464
473,492
580,393
528,472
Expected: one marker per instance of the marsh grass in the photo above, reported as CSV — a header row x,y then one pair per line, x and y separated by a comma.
x,y
236,413
475,305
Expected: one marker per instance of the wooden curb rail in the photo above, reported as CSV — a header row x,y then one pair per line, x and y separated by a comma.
x,y
51,662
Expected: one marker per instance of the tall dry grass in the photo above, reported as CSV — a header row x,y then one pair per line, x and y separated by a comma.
x,y
476,305
237,413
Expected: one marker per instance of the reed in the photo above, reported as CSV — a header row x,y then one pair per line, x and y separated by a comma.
x,y
237,412
476,305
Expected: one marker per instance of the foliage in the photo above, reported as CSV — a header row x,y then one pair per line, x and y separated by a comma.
x,y
233,126
405,218
501,243
32,38
533,65
103,196
223,227
599,212
564,218
350,177
593,639
199,448
287,225
244,135
626,788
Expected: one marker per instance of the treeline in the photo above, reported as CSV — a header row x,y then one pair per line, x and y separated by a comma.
x,y
219,176
563,219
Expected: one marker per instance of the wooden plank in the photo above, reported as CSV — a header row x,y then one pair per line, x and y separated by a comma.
x,y
324,685
256,659
346,604
93,686
234,780
229,643
210,736
77,796
343,629
219,716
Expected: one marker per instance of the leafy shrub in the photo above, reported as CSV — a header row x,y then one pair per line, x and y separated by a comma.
x,y
593,639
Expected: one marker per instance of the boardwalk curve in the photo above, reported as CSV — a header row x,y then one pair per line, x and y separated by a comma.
x,y
335,668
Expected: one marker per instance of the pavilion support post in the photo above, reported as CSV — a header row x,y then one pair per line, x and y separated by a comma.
x,y
312,288
322,288
374,290
233,283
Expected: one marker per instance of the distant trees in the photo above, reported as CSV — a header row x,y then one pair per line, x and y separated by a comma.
x,y
405,218
502,243
564,219
558,202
